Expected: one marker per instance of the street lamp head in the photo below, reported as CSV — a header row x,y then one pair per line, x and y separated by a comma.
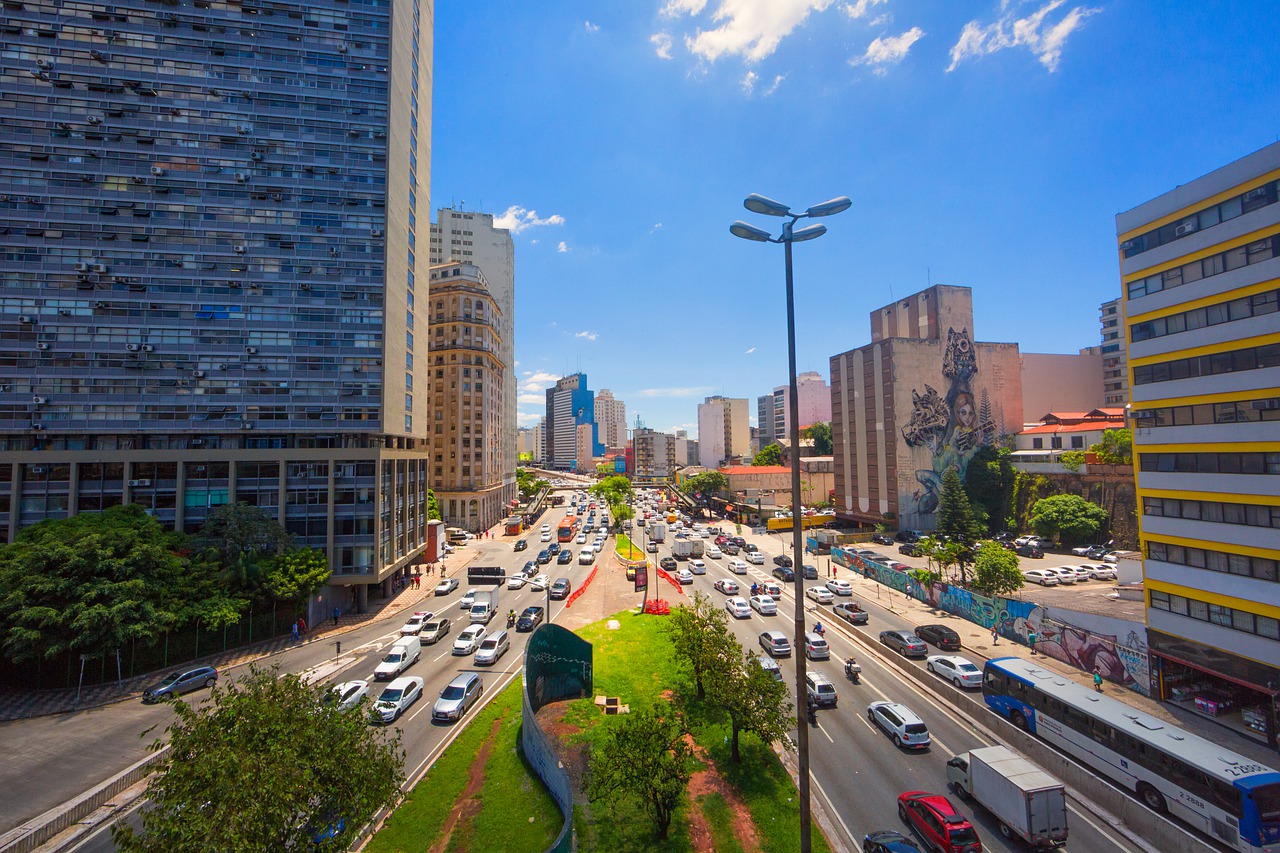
x,y
809,232
749,232
829,208
757,203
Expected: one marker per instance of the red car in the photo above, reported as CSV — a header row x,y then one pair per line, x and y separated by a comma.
x,y
938,823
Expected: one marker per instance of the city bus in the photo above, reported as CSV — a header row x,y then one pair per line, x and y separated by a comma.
x,y
567,528
1225,795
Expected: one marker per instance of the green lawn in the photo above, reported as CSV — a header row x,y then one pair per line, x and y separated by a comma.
x,y
522,815
628,549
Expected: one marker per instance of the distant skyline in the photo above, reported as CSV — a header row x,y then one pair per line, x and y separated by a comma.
x,y
985,144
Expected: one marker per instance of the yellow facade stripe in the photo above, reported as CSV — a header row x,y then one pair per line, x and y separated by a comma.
x,y
1200,204
1208,349
1215,497
1224,397
1217,248
1215,299
1214,545
1210,447
1213,598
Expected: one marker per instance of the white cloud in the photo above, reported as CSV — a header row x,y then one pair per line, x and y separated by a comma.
x,y
527,372
1045,41
539,381
888,50
517,219
749,28
773,87
860,8
527,418
590,336
563,247
592,28
748,352
692,391
661,44
749,82
530,399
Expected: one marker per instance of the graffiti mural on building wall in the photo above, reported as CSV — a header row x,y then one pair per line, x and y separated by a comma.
x,y
950,427
1064,637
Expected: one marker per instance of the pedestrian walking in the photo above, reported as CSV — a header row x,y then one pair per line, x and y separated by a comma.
x,y
294,630
1097,679
1031,641
995,635
302,626
335,615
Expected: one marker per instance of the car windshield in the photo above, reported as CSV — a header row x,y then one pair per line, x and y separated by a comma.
x,y
453,691
431,626
489,644
530,612
394,657
390,695
966,835
171,678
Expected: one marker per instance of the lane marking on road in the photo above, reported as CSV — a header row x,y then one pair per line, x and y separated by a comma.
x,y
835,812
824,731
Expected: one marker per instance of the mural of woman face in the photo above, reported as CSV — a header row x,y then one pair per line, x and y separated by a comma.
x,y
966,413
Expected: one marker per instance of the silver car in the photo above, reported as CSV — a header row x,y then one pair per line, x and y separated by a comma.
x,y
182,681
457,697
491,648
396,699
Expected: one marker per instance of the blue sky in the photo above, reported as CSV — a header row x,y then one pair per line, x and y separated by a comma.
x,y
985,143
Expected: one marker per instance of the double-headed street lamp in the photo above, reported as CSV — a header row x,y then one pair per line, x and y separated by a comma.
x,y
790,234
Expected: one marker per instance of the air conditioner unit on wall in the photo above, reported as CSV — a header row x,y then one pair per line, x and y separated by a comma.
x,y
1188,227
136,483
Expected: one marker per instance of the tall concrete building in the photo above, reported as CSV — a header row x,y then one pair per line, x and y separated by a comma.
x,y
611,419
569,404
686,449
1053,382
471,237
922,397
210,225
1200,267
773,411
467,393
1115,367
655,453
724,430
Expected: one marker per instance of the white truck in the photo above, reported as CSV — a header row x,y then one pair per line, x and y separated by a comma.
x,y
1028,802
695,548
681,548
484,607
657,531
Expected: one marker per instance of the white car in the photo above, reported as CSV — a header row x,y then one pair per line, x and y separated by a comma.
x,y
738,567
516,581
415,623
539,582
1103,572
820,594
684,576
582,539
1044,577
737,607
545,537
546,527
468,599
839,587
446,586
960,671
713,553
764,605
1066,574
469,639
697,567
396,698
1082,573
728,587
1111,558
347,695
756,558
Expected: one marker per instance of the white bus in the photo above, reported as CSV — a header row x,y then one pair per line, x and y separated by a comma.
x,y
1223,794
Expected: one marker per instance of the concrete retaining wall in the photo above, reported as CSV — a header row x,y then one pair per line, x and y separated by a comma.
x,y
542,758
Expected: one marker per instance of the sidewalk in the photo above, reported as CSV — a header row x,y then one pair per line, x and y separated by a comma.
x,y
976,642
17,704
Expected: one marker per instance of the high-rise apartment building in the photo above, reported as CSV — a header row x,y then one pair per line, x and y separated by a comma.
x,y
773,412
724,430
569,404
1115,368
686,449
611,419
471,237
467,397
1200,267
209,216
655,453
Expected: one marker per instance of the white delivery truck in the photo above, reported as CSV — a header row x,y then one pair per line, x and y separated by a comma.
x,y
1028,802
483,607
695,548
681,549
658,531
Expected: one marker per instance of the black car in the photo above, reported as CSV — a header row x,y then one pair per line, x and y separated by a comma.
x,y
784,574
940,635
521,544
560,588
810,573
668,563
782,560
730,549
909,549
544,557
882,539
530,618
907,536
739,541
888,841
564,557
1028,550
530,568
554,548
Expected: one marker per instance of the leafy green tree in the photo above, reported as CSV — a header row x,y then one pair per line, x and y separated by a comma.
x,y
433,506
752,699
646,756
700,633
821,435
296,574
241,528
770,454
1072,460
528,483
996,570
708,482
989,482
266,765
1116,447
1069,519
616,491
955,517
90,584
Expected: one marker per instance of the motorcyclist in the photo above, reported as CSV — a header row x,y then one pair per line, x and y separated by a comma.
x,y
819,630
511,617
852,669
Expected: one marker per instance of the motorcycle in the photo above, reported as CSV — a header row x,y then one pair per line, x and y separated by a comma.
x,y
853,670
511,619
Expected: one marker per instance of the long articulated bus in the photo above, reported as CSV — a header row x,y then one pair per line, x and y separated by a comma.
x,y
1227,796
567,528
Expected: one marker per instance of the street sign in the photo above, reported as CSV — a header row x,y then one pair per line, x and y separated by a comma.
x,y
642,577
486,575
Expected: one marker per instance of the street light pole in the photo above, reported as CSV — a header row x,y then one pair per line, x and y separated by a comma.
x,y
768,207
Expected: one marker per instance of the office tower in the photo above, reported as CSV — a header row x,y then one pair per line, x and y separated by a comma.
x,y
922,397
611,419
724,430
1115,368
773,412
467,397
210,223
472,238
1202,307
569,404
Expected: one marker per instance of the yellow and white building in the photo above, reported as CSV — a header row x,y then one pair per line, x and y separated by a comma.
x,y
1200,267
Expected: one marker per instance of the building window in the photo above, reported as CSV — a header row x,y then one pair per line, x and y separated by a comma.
x,y
1077,442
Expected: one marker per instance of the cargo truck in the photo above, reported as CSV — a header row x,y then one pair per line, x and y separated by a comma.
x,y
681,549
483,607
1026,801
696,548
658,531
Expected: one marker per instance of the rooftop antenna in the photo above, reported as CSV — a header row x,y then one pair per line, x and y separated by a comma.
x,y
928,276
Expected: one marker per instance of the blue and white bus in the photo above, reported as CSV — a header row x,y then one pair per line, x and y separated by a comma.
x,y
1223,794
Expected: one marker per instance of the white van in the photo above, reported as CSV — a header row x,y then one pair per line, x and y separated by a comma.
x,y
403,654
586,556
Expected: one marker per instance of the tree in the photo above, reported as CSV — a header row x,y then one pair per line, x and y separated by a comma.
x,y
296,574
996,570
528,483
955,517
266,765
433,506
1072,460
708,483
700,634
646,756
989,480
770,454
241,528
821,435
1116,447
1069,519
616,492
92,583
752,699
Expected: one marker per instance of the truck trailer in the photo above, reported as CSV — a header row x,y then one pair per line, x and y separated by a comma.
x,y
1026,801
